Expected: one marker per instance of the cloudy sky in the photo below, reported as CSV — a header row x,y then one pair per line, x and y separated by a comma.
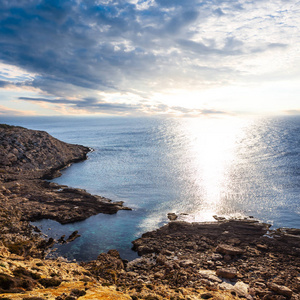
x,y
141,57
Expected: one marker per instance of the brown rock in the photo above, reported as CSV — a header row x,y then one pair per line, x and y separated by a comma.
x,y
159,274
35,154
230,250
186,263
11,157
172,216
207,296
73,236
161,259
216,256
280,289
228,273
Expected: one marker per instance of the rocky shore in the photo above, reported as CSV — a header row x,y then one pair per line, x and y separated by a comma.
x,y
244,257
28,157
226,259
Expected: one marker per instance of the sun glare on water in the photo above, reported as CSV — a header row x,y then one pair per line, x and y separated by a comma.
x,y
208,151
212,145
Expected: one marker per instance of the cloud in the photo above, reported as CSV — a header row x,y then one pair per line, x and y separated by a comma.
x,y
295,112
13,112
93,105
3,83
80,48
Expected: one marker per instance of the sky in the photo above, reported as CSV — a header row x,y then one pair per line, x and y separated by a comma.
x,y
149,57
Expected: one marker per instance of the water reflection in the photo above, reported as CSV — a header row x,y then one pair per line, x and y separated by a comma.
x,y
213,147
202,155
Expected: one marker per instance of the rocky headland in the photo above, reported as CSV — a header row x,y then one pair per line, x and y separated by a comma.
x,y
226,259
27,158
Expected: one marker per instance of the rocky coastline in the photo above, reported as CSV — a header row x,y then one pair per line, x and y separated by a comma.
x,y
226,259
28,157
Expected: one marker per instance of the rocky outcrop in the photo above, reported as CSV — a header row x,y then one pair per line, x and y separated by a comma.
x,y
244,257
33,154
38,199
35,278
27,157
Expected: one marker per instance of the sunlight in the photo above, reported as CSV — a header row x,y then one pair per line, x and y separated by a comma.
x,y
212,145
207,151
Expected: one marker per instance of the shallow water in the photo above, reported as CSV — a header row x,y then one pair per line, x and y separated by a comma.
x,y
202,167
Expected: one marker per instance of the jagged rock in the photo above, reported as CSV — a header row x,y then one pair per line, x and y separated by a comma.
x,y
227,257
161,259
107,266
32,155
11,157
172,216
73,236
61,240
240,288
210,275
186,263
167,252
50,243
280,289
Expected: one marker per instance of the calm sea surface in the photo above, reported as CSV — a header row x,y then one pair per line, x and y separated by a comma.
x,y
201,167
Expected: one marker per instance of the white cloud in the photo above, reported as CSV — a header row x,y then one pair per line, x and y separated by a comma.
x,y
150,48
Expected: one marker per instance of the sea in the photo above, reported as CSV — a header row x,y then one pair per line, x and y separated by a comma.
x,y
195,167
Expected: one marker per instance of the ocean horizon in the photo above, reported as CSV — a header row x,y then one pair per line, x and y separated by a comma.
x,y
194,167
